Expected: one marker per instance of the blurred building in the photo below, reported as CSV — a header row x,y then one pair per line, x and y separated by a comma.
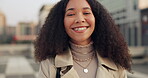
x,y
25,31
127,16
2,23
11,30
144,21
43,13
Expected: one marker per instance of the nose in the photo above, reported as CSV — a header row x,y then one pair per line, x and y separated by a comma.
x,y
79,18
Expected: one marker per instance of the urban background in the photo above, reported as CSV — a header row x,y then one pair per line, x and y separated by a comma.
x,y
16,41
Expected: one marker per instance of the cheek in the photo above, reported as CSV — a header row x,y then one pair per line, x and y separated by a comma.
x,y
91,21
67,23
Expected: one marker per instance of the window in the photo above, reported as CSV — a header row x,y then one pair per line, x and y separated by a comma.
x,y
129,36
144,18
135,5
135,32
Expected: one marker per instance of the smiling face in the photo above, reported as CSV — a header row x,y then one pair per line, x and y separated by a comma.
x,y
79,21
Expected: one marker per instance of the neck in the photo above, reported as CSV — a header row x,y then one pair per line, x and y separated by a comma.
x,y
82,51
82,43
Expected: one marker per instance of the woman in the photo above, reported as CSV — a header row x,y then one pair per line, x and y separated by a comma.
x,y
80,38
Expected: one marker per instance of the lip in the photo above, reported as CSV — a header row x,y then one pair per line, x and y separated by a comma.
x,y
80,29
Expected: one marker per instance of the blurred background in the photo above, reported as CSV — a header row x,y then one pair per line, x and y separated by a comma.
x,y
21,20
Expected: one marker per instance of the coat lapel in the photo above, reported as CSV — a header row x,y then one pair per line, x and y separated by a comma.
x,y
104,67
64,61
103,73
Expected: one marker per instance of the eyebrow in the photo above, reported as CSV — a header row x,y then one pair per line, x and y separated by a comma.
x,y
87,8
74,8
69,9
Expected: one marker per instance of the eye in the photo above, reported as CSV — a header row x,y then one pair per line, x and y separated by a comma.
x,y
70,14
86,13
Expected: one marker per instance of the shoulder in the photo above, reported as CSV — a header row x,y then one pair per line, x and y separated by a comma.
x,y
116,70
120,72
47,64
47,69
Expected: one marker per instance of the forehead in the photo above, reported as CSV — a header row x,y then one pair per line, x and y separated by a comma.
x,y
77,4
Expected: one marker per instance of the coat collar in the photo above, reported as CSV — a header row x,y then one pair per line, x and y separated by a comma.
x,y
64,59
67,60
106,62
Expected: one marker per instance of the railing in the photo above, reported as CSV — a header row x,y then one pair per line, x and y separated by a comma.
x,y
15,49
28,49
139,51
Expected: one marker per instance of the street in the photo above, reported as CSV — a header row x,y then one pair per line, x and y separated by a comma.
x,y
19,66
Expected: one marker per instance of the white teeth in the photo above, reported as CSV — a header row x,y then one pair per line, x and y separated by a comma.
x,y
79,29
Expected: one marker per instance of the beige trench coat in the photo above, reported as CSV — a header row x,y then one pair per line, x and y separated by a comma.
x,y
106,68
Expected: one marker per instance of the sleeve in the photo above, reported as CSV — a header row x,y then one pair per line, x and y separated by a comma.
x,y
43,71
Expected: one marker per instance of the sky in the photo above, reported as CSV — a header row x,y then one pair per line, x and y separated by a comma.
x,y
28,10
143,4
22,10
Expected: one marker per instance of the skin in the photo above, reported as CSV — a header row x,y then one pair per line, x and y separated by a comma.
x,y
79,21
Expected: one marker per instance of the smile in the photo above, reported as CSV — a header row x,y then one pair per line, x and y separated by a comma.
x,y
80,29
